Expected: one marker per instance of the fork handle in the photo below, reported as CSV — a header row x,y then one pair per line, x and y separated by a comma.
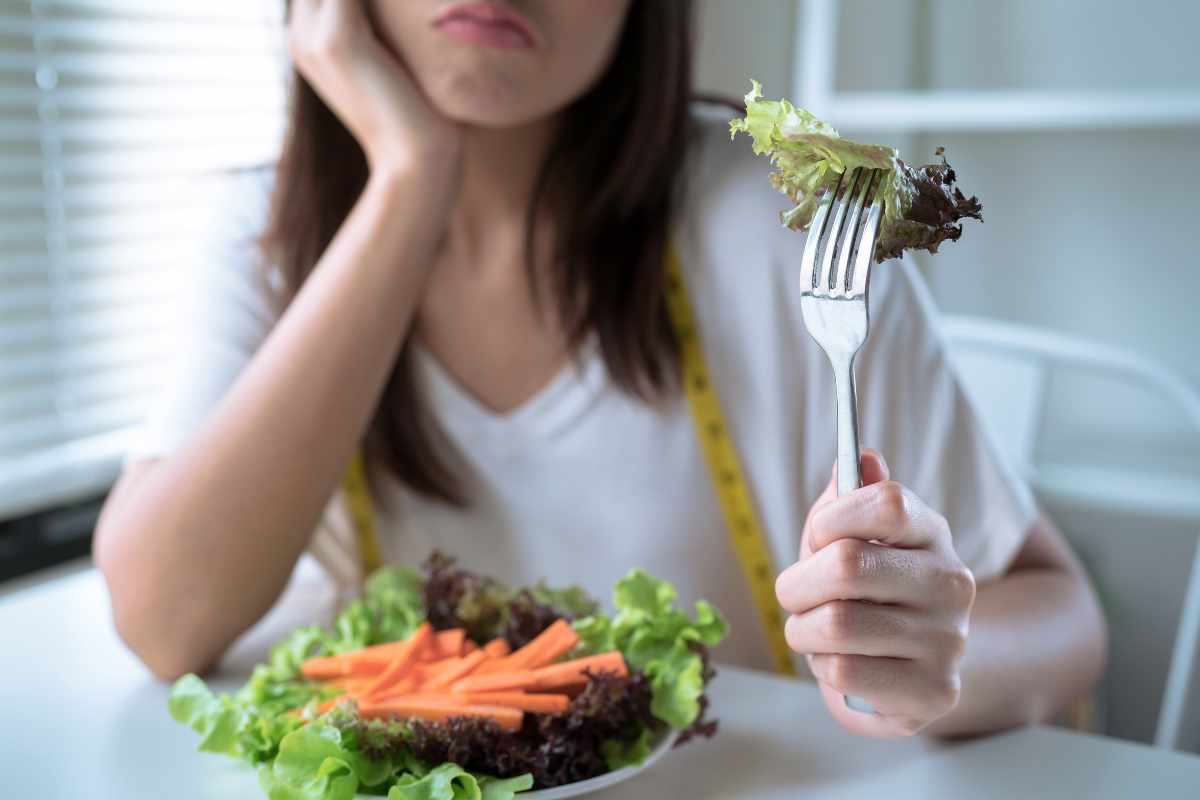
x,y
849,477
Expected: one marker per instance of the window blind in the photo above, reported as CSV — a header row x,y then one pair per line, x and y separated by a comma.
x,y
116,119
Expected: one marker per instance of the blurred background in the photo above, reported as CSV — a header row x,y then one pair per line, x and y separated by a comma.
x,y
1070,311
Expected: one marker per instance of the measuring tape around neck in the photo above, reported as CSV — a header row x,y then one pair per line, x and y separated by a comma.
x,y
742,522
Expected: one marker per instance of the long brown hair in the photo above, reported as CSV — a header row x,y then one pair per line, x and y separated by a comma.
x,y
613,173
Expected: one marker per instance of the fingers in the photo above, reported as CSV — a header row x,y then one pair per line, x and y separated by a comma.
x,y
849,627
893,687
851,569
873,468
886,512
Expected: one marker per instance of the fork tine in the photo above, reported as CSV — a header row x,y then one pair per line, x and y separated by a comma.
x,y
864,252
826,275
848,243
812,245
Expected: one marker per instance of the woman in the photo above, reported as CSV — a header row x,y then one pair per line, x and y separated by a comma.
x,y
468,229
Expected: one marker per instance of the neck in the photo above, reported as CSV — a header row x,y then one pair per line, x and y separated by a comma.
x,y
500,171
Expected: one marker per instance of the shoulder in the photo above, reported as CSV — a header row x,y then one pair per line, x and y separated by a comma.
x,y
230,285
729,233
725,181
239,204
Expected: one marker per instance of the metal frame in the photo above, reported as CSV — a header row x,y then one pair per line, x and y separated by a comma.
x,y
1179,713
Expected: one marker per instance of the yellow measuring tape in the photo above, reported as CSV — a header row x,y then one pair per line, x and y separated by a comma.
x,y
745,528
358,498
746,532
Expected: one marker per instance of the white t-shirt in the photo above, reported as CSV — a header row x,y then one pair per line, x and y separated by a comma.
x,y
583,482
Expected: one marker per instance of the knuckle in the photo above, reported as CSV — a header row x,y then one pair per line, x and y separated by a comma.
x,y
946,691
841,672
326,43
893,503
951,644
297,43
847,563
837,621
909,726
961,583
942,524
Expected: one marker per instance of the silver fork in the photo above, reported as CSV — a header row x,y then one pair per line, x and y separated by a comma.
x,y
834,279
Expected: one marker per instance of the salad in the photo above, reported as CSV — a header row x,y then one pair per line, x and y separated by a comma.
x,y
448,685
922,207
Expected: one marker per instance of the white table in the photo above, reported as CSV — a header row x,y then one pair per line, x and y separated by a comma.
x,y
80,718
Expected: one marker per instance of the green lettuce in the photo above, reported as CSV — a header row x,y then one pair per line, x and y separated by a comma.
x,y
618,754
810,157
921,207
216,719
657,638
452,782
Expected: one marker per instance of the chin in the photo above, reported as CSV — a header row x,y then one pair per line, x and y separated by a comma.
x,y
484,99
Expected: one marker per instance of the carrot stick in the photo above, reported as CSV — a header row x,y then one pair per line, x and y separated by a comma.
x,y
385,651
342,666
550,644
350,684
439,709
450,642
535,703
567,673
403,662
497,648
454,670
496,681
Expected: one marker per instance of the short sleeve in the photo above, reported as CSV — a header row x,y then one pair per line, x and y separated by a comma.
x,y
914,411
226,311
223,314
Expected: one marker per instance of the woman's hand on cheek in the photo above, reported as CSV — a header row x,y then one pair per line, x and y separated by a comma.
x,y
335,48
880,603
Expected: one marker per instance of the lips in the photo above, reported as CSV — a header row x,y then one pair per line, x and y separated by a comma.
x,y
489,24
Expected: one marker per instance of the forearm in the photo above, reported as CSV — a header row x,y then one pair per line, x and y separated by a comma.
x,y
1036,643
203,544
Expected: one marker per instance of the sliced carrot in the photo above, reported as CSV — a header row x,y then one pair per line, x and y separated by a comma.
x,y
576,671
403,662
385,651
343,666
496,681
550,644
439,709
535,703
450,642
453,670
497,648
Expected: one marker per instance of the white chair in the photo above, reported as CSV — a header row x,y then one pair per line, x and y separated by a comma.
x,y
1133,515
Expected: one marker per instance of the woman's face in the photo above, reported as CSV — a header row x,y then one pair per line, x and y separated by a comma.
x,y
501,63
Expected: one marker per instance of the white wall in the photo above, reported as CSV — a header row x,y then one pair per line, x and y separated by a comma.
x,y
745,39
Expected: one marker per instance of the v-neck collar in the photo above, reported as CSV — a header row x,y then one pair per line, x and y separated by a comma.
x,y
551,410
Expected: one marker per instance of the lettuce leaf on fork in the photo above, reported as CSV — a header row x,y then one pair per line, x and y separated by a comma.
x,y
922,207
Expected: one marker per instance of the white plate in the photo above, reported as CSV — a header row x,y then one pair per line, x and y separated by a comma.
x,y
602,781
592,784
